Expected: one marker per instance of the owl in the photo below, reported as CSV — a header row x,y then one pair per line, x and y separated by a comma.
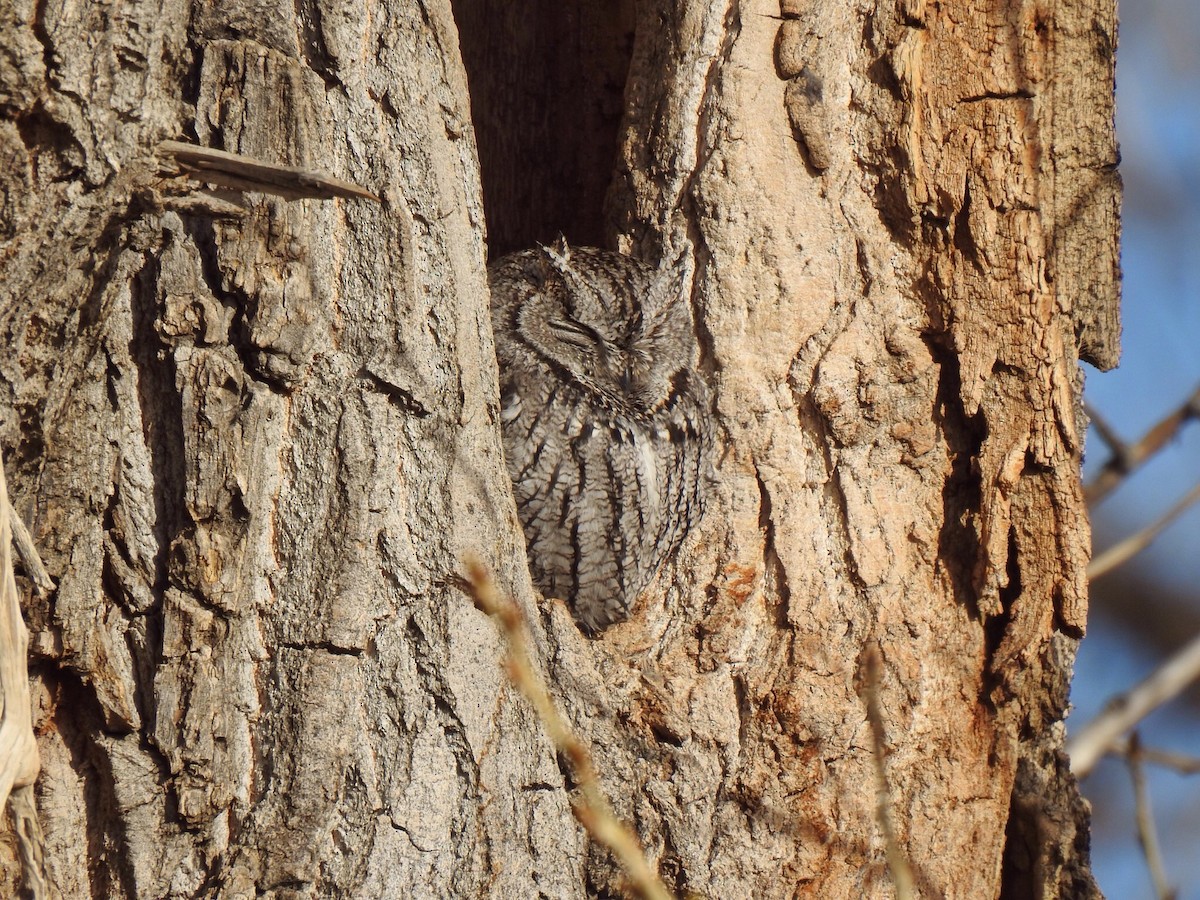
x,y
605,419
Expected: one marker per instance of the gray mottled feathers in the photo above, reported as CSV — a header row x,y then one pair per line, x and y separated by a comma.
x,y
605,419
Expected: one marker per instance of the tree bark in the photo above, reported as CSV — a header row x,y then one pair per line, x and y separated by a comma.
x,y
255,446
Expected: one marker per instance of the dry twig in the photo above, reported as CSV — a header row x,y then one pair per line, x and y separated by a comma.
x,y
1127,458
1126,710
1147,835
901,872
594,812
1168,759
1124,550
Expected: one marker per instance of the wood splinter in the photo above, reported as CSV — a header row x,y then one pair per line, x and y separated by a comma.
x,y
244,173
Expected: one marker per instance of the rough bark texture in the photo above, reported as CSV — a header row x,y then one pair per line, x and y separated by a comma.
x,y
254,450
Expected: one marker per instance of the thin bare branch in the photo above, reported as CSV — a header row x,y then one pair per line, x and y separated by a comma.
x,y
897,863
1107,433
1123,551
594,812
1127,458
1147,835
244,173
1169,759
1126,710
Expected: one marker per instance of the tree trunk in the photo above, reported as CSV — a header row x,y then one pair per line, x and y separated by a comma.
x,y
255,446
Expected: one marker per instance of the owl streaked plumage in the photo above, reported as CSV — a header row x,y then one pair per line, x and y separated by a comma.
x,y
605,419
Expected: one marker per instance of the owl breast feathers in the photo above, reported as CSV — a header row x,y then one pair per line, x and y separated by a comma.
x,y
605,419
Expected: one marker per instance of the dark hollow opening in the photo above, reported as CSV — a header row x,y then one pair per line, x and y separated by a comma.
x,y
547,82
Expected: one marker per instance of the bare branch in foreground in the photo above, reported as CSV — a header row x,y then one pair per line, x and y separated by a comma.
x,y
1124,550
594,812
1147,836
897,864
1126,710
1127,458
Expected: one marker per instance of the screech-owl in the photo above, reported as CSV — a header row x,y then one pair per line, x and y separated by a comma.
x,y
605,419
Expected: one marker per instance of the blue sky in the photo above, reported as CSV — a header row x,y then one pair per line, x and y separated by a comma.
x,y
1158,124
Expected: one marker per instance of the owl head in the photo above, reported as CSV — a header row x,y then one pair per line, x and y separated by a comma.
x,y
621,330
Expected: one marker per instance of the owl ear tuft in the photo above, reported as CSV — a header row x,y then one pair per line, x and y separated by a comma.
x,y
558,260
672,279
558,253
